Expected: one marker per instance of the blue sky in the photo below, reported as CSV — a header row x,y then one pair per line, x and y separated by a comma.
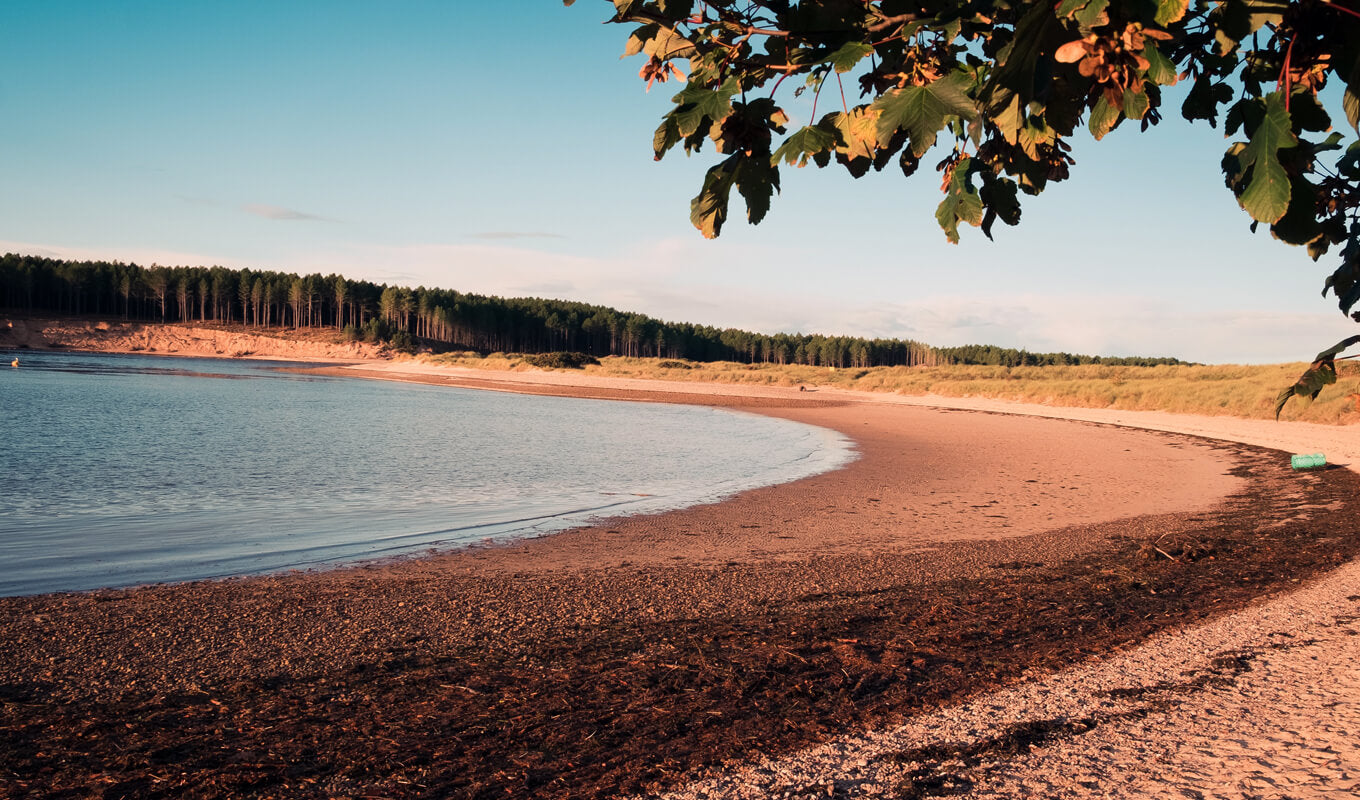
x,y
504,148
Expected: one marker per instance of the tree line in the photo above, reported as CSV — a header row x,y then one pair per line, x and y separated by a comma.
x,y
443,319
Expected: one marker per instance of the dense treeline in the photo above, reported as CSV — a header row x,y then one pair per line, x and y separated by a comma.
x,y
444,319
1009,357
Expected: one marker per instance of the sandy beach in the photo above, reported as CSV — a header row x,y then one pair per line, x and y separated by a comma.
x,y
993,598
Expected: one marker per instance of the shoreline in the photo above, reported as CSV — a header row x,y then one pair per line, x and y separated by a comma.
x,y
697,582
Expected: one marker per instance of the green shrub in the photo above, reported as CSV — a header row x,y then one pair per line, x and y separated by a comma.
x,y
560,360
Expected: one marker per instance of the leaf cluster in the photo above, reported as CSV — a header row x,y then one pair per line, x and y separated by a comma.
x,y
999,87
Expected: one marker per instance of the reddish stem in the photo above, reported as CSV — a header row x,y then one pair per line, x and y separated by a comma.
x,y
1286,74
776,83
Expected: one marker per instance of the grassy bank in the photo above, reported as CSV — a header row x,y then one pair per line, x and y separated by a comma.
x,y
1232,390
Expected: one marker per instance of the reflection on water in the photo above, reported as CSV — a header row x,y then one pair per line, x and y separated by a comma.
x,y
120,470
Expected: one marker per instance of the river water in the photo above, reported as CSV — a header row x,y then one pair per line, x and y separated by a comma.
x,y
119,470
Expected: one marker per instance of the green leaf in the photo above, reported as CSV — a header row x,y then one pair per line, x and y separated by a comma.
x,y
1093,14
757,179
1350,101
1266,197
850,54
1018,61
856,130
1069,7
696,103
1204,98
1169,11
1103,118
708,210
1306,113
961,202
1299,225
1319,374
1160,69
802,145
1345,281
1010,119
1000,197
667,136
666,44
1136,104
640,36
1234,20
921,110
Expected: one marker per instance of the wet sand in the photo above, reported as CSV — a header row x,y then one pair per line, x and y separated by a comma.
x,y
962,550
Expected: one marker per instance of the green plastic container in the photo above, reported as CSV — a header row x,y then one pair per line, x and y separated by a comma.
x,y
1312,461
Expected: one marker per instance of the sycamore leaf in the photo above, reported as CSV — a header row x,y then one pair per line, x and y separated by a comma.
x,y
1234,20
1169,11
961,202
1000,197
1093,14
668,44
667,136
1204,98
857,130
1018,61
757,180
802,145
640,36
708,210
1266,197
1069,7
921,110
1160,69
1319,374
1136,104
850,54
696,103
755,177
1350,101
1345,281
1104,117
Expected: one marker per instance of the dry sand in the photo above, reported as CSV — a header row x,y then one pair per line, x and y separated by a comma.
x,y
1264,703
942,488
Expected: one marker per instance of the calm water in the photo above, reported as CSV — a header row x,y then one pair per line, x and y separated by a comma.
x,y
121,470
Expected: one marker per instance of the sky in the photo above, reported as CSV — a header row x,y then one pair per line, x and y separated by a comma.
x,y
504,148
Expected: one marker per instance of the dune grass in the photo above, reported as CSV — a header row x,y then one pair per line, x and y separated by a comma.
x,y
1227,390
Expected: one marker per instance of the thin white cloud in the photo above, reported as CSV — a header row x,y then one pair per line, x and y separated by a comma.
x,y
128,255
281,213
509,235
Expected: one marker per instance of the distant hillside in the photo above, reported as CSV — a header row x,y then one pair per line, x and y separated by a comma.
x,y
445,320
